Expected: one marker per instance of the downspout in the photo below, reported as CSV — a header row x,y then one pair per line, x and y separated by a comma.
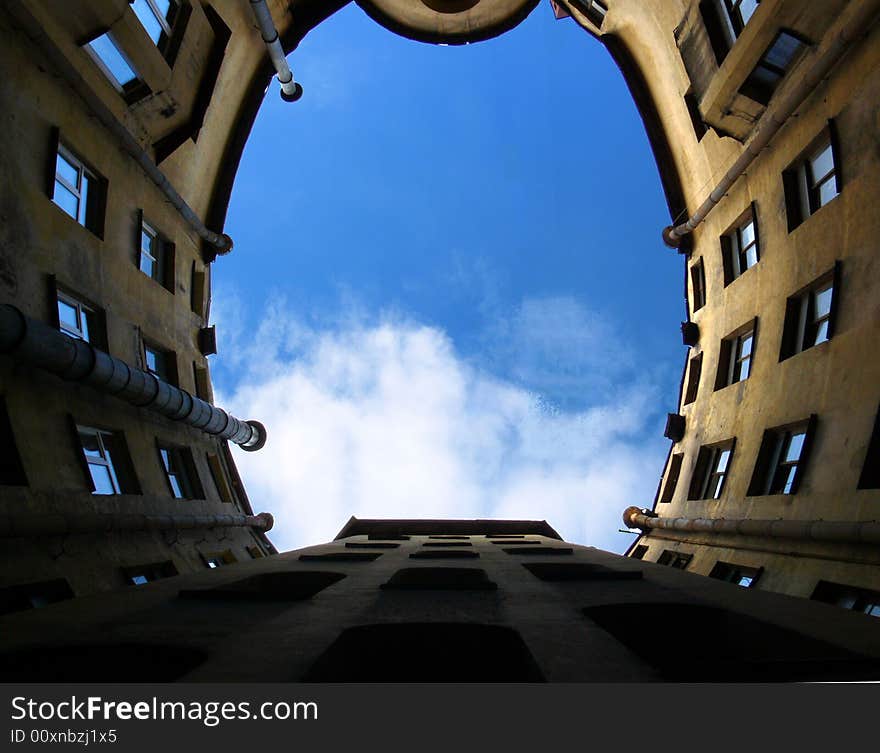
x,y
291,91
60,64
863,532
776,115
45,347
20,526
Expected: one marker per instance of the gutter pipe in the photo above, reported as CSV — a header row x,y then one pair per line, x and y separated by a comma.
x,y
863,532
291,91
47,524
45,347
775,116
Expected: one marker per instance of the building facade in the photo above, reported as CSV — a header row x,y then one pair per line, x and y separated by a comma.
x,y
124,126
439,601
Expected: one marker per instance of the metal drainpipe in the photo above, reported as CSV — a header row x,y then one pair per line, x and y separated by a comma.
x,y
18,526
775,116
60,64
40,345
863,532
290,89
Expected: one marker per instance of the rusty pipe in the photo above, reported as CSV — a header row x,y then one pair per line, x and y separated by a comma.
x,y
849,532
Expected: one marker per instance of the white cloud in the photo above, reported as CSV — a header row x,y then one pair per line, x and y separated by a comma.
x,y
385,419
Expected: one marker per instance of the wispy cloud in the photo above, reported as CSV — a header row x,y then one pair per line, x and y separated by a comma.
x,y
382,417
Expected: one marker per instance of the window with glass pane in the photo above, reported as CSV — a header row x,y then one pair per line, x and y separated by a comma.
x,y
856,599
156,361
820,177
113,64
72,184
818,315
739,575
741,360
157,18
719,460
678,560
778,59
746,248
100,463
74,318
151,254
177,472
789,446
739,12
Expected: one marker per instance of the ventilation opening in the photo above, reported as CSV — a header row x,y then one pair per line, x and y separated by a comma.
x,y
539,550
565,571
449,536
290,586
100,663
368,545
389,537
445,554
341,557
523,542
441,544
426,652
445,578
708,644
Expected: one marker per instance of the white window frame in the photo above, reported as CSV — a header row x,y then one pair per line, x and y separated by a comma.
x,y
85,181
739,251
778,462
715,471
808,322
156,253
157,14
176,472
739,361
808,184
120,86
82,314
105,460
162,357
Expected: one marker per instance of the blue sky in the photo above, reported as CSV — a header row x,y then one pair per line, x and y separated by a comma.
x,y
448,294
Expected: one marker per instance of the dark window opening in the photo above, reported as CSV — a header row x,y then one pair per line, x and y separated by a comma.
x,y
814,179
678,560
711,471
214,560
426,652
370,545
34,595
281,586
639,552
773,66
855,599
341,557
736,355
810,314
445,554
578,571
138,575
440,578
540,550
180,472
11,468
739,247
782,459
672,477
870,478
698,285
695,371
739,575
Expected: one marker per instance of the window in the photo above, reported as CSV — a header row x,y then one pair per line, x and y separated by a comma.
x,y
739,248
870,478
725,21
678,560
693,108
218,473
138,575
160,363
107,461
736,574
775,63
735,357
672,477
698,285
848,597
156,256
157,17
78,191
11,470
710,473
782,458
810,315
214,560
639,552
594,9
813,180
113,63
180,471
33,595
695,370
